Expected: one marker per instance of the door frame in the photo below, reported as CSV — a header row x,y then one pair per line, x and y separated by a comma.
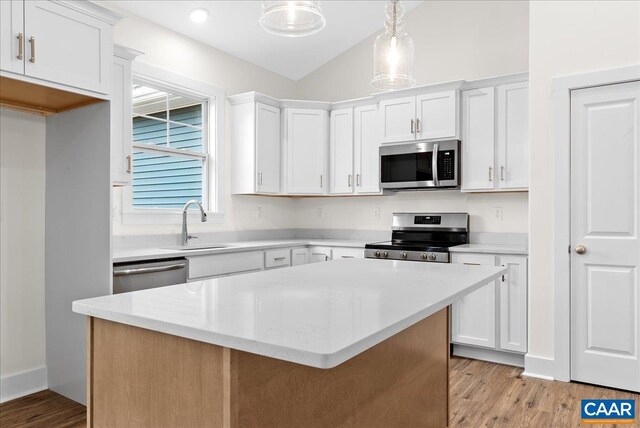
x,y
561,122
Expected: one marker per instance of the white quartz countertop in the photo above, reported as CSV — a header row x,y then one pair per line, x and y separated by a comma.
x,y
490,249
131,255
319,315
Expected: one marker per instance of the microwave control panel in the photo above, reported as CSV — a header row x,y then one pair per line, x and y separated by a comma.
x,y
446,165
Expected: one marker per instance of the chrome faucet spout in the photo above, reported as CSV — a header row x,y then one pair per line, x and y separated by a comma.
x,y
184,237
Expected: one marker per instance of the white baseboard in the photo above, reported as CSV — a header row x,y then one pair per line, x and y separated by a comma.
x,y
539,367
24,383
491,355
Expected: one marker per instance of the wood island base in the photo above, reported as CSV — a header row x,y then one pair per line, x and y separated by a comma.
x,y
142,378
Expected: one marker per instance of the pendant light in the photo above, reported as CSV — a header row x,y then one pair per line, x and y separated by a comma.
x,y
393,53
292,18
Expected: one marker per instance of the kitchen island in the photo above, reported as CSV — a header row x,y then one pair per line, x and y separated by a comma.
x,y
343,343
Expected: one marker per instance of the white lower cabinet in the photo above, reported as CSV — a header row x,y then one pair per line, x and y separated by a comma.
x,y
299,256
203,267
495,316
277,258
347,253
320,254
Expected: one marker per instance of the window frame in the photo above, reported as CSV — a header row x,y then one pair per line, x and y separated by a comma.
x,y
213,128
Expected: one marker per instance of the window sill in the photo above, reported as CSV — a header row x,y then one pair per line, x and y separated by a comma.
x,y
151,216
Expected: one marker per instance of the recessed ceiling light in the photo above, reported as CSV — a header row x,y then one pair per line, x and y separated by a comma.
x,y
199,15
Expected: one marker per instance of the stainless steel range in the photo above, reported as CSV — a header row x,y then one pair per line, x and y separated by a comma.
x,y
422,237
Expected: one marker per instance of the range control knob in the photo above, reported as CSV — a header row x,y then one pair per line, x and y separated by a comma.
x,y
423,256
377,253
404,254
432,257
385,254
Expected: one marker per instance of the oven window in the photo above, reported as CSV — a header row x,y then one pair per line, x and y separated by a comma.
x,y
406,167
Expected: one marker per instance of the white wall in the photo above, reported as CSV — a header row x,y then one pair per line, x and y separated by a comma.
x,y
22,192
453,40
566,37
169,50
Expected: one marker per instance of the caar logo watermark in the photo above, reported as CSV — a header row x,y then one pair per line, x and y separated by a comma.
x,y
608,411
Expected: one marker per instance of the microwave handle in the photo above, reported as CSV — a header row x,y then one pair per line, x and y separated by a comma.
x,y
434,164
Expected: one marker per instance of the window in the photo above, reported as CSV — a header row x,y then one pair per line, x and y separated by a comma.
x,y
177,138
170,148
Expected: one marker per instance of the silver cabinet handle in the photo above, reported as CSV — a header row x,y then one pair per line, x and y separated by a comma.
x,y
358,180
278,258
138,271
502,173
490,173
417,126
20,38
259,179
32,41
434,164
129,164
321,181
412,124
349,180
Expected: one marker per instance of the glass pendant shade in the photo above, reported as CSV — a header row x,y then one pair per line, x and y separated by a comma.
x,y
393,53
292,18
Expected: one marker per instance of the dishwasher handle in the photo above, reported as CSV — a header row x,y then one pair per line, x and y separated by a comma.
x,y
138,271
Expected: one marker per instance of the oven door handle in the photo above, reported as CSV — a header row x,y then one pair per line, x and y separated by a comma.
x,y
434,165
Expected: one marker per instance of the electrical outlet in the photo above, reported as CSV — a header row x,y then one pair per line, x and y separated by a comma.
x,y
260,212
376,213
498,213
319,212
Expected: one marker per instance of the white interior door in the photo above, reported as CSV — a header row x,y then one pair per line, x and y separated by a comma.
x,y
605,299
398,119
267,149
366,139
341,147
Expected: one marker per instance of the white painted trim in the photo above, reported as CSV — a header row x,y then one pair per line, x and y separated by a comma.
x,y
23,383
539,367
492,355
561,122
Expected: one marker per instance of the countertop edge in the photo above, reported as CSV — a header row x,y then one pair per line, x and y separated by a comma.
x,y
307,358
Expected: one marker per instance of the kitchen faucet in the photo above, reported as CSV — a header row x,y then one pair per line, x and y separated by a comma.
x,y
184,239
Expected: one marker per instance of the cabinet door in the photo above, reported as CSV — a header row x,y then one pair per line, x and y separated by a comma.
x,y
267,149
513,136
398,119
121,132
513,304
478,140
299,256
437,116
306,151
473,318
11,34
341,151
65,46
319,254
366,140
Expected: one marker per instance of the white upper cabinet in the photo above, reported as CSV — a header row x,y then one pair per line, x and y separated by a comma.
x,y
478,139
495,138
366,137
267,149
341,151
67,47
58,43
428,116
398,119
306,149
513,136
12,36
121,113
255,148
436,116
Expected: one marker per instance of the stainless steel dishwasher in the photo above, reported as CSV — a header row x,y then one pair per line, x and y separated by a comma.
x,y
136,276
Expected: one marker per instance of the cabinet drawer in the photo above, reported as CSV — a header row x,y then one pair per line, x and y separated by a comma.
x,y
222,264
277,258
348,253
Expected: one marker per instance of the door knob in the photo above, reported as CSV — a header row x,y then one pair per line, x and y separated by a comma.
x,y
581,249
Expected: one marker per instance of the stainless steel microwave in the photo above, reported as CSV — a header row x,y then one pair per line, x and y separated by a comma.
x,y
420,165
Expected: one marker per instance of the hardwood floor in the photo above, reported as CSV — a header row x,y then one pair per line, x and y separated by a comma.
x,y
482,395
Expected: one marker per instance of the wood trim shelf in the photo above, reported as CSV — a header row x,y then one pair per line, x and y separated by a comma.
x,y
32,98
